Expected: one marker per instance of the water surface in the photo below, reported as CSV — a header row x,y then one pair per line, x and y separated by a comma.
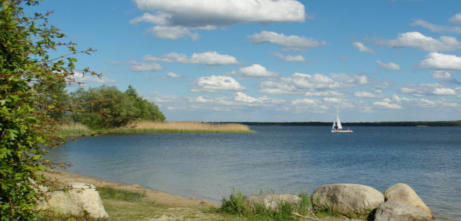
x,y
285,159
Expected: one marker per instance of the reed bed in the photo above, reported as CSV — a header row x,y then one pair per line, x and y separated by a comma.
x,y
138,127
185,126
73,129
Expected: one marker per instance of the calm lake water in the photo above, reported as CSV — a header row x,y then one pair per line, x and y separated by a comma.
x,y
282,159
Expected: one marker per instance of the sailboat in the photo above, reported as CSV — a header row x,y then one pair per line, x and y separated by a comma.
x,y
338,127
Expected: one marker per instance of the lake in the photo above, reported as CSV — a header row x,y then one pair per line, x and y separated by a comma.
x,y
281,159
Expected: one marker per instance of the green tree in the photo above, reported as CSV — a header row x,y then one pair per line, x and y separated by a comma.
x,y
107,107
28,78
145,110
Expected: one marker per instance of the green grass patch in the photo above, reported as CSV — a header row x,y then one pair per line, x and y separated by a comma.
x,y
237,205
121,195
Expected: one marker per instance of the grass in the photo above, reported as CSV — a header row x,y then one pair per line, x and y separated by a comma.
x,y
117,194
141,127
237,205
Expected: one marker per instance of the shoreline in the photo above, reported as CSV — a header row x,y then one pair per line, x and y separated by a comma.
x,y
167,206
162,198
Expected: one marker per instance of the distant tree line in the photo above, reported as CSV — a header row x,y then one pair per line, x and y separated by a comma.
x,y
107,107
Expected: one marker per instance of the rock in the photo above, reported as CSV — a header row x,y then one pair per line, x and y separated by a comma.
x,y
400,211
351,200
271,201
81,199
404,193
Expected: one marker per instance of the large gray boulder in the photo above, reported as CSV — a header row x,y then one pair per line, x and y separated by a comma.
x,y
399,211
271,201
404,193
80,199
351,200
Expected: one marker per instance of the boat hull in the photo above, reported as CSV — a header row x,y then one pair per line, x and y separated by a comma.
x,y
342,131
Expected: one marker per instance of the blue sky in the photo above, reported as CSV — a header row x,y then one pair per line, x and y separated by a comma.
x,y
268,60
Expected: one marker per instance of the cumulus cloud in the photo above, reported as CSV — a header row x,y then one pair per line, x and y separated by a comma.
x,y
436,28
215,83
388,66
143,67
303,101
276,87
328,93
422,42
290,42
173,32
208,58
82,79
333,100
255,70
456,19
441,61
312,83
362,48
290,58
202,14
364,94
427,89
444,77
173,75
387,103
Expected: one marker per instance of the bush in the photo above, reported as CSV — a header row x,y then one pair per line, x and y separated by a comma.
x,y
236,204
29,104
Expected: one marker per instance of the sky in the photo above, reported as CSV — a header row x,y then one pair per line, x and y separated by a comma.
x,y
274,60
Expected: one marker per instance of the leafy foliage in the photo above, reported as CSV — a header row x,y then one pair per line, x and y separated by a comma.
x,y
107,107
29,80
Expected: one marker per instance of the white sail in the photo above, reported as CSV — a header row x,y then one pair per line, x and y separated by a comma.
x,y
338,122
334,125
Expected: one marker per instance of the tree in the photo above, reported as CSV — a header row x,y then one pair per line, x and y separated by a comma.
x,y
107,107
28,78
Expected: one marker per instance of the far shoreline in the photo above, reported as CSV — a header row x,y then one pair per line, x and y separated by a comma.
x,y
456,123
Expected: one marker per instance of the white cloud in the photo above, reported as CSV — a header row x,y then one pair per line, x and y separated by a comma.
x,y
160,18
290,58
441,61
364,94
173,75
334,100
255,70
214,83
425,102
173,32
312,83
436,28
303,101
444,91
205,15
445,77
328,93
209,58
291,42
242,97
422,42
427,89
143,67
387,103
192,13
276,87
82,79
362,48
388,66
456,19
